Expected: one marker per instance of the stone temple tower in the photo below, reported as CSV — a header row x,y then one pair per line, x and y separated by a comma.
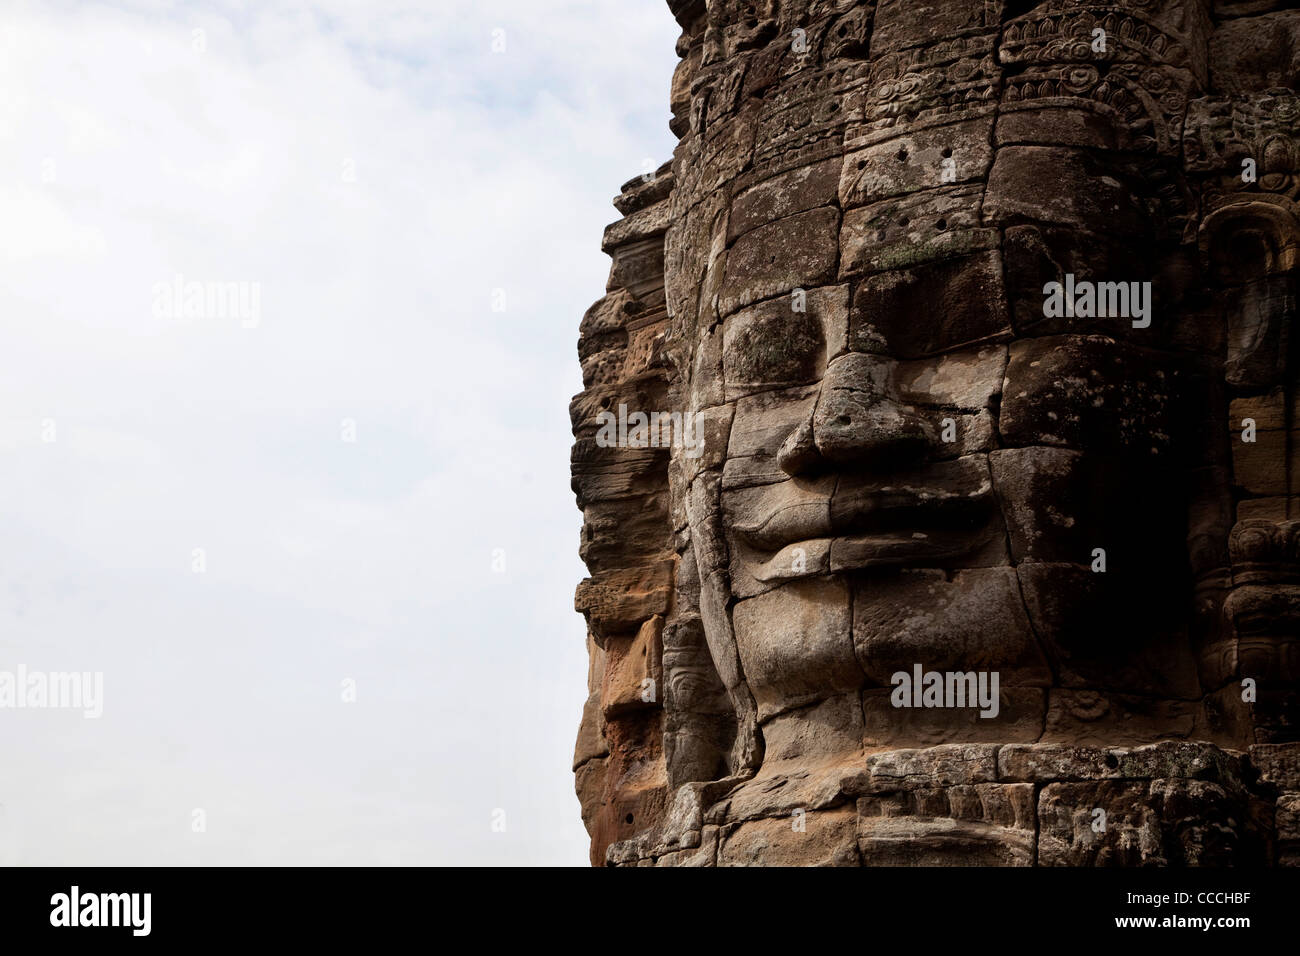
x,y
937,450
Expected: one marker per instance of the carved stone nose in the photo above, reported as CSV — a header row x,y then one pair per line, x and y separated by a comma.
x,y
857,421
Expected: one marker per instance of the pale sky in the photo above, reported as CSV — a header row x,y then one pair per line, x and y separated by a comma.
x,y
376,172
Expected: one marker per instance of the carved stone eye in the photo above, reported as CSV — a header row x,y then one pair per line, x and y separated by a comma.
x,y
773,347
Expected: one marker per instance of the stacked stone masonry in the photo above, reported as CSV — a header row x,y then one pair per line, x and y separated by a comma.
x,y
911,460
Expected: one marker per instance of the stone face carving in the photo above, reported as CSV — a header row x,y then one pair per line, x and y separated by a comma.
x,y
957,577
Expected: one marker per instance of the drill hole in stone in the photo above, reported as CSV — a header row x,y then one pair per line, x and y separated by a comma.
x,y
941,225
629,818
862,164
1112,762
843,420
946,152
904,222
902,155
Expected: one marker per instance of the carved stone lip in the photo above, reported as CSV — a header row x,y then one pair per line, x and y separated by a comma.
x,y
902,517
817,556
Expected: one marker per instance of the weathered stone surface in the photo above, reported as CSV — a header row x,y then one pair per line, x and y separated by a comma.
x,y
1056,126
770,516
929,158
633,669
1287,828
785,341
645,191
856,415
973,622
623,528
1037,254
780,789
986,824
794,644
967,380
795,253
914,456
618,601
1263,466
1003,804
1040,490
800,189
1088,393
705,855
1099,718
1041,763
828,838
1020,720
919,841
1278,764
1066,187
589,785
914,230
1255,54
828,728
1139,654
1162,822
591,742
946,765
900,24
648,223
963,300
763,422
638,267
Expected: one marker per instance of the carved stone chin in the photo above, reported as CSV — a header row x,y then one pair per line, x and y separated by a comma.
x,y
938,443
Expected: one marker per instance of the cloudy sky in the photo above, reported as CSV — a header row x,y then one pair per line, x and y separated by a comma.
x,y
230,515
